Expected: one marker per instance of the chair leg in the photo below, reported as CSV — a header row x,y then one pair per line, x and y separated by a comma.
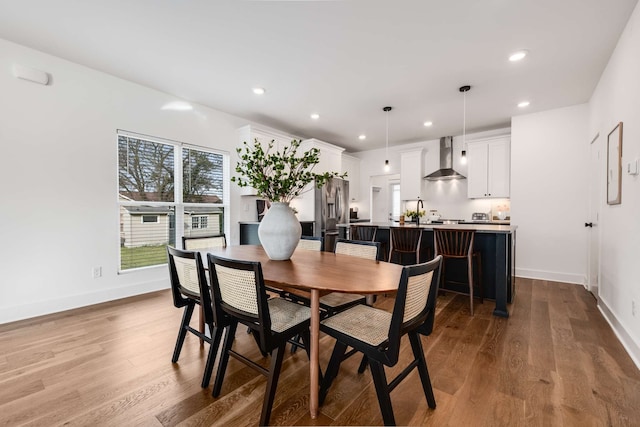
x,y
272,383
294,347
256,338
382,390
216,336
182,333
224,358
332,370
418,353
201,324
363,364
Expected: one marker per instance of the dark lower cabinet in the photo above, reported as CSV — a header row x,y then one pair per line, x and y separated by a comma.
x,y
249,231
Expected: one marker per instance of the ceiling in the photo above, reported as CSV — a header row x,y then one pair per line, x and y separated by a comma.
x,y
344,60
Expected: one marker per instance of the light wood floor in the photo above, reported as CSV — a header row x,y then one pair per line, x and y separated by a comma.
x,y
554,362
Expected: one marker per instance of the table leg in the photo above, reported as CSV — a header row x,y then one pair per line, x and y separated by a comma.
x,y
315,359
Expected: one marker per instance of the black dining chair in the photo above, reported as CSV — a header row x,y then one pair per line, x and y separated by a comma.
x,y
194,243
377,334
189,288
238,290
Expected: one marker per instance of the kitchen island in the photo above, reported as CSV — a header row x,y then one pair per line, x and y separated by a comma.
x,y
497,246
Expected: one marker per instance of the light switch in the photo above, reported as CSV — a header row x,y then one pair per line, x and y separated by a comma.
x,y
632,167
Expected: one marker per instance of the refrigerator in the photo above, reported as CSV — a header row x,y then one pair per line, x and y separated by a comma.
x,y
331,208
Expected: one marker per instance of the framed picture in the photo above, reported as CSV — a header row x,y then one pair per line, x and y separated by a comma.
x,y
614,166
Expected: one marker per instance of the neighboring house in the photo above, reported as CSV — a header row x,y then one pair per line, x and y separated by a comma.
x,y
155,225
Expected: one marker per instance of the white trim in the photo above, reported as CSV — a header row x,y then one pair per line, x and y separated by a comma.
x,y
554,276
632,348
49,306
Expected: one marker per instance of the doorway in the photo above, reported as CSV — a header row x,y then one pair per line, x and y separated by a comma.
x,y
381,196
595,198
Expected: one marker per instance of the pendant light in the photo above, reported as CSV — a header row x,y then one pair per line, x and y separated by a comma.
x,y
386,162
464,90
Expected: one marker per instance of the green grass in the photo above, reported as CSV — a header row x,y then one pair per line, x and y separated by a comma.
x,y
142,256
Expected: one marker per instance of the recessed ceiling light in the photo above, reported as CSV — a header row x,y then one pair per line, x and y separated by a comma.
x,y
362,137
315,116
517,56
258,90
523,104
427,124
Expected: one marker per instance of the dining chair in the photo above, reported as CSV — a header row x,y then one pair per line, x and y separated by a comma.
x,y
458,244
377,334
311,243
238,290
335,302
405,241
189,288
193,243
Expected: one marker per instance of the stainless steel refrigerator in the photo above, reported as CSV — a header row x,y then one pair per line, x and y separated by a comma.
x,y
331,209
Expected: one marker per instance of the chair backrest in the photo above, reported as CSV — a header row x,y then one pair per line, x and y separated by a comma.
x,y
188,279
310,243
204,242
238,289
415,303
359,248
453,243
364,232
406,239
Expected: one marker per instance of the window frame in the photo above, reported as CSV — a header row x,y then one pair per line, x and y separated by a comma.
x,y
177,204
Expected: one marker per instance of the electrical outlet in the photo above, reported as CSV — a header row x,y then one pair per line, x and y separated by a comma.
x,y
633,307
96,272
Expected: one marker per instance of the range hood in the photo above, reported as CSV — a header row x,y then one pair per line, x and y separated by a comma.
x,y
446,170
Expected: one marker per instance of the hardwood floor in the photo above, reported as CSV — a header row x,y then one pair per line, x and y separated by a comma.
x,y
554,362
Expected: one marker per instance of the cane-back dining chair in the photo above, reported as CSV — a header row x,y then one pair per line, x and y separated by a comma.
x,y
189,288
195,243
377,334
238,290
458,244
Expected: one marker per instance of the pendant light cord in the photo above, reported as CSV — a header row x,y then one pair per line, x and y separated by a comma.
x,y
464,118
387,146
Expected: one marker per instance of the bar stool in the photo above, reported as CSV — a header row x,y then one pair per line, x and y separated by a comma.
x,y
458,244
405,241
365,233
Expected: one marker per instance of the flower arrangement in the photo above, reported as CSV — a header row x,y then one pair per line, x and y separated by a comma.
x,y
279,176
414,214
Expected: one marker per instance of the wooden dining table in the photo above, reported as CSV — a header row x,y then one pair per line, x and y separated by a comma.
x,y
318,273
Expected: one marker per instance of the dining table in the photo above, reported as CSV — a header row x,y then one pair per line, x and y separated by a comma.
x,y
316,273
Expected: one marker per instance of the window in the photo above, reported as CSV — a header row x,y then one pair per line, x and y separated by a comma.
x,y
165,190
395,201
199,222
150,218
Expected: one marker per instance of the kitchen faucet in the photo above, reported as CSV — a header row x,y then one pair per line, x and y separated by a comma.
x,y
418,206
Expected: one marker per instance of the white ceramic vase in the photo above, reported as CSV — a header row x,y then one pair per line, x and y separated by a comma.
x,y
279,231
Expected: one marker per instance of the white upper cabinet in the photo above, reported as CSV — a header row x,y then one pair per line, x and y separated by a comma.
x,y
488,168
351,165
411,174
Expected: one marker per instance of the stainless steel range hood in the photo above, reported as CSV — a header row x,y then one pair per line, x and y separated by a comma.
x,y
446,170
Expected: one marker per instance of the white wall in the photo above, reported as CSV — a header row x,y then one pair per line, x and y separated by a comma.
x,y
549,164
448,197
617,99
59,215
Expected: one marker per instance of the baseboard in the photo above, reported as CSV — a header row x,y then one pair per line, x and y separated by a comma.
x,y
40,308
632,347
554,276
